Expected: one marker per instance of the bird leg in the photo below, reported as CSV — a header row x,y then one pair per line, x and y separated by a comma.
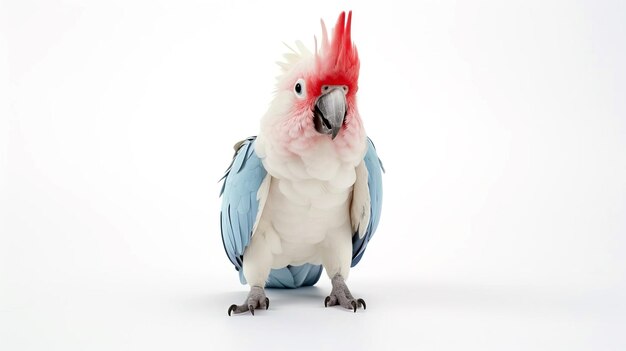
x,y
256,299
340,295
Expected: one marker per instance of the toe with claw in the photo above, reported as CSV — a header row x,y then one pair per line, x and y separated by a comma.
x,y
340,295
256,299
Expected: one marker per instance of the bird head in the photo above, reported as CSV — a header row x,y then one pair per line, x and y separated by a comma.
x,y
316,92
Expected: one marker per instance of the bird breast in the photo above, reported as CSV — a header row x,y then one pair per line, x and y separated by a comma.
x,y
310,191
307,210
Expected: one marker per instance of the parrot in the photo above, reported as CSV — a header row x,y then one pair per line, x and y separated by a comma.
x,y
305,194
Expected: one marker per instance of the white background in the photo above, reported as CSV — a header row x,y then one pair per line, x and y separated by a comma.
x,y
502,126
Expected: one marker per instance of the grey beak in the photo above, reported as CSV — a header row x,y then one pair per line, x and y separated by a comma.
x,y
329,112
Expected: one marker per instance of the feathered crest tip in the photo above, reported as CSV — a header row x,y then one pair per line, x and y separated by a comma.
x,y
337,54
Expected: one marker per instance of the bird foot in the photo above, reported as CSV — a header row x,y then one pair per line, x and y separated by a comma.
x,y
256,299
340,295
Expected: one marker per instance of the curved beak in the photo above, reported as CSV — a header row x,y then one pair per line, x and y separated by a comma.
x,y
330,111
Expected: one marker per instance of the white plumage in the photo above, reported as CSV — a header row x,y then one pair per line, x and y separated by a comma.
x,y
305,213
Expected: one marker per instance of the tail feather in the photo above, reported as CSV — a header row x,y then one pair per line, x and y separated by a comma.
x,y
292,277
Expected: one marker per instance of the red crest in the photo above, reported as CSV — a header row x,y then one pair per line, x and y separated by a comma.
x,y
337,63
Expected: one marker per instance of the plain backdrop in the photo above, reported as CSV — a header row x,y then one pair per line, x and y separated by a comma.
x,y
501,124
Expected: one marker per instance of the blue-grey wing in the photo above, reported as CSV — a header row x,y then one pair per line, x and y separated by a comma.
x,y
239,200
375,184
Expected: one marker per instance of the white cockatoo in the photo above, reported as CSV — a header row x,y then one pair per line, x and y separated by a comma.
x,y
306,193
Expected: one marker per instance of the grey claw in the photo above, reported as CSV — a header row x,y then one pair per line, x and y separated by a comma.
x,y
231,308
326,301
251,308
362,302
267,303
353,305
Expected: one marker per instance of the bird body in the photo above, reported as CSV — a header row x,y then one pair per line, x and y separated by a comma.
x,y
307,210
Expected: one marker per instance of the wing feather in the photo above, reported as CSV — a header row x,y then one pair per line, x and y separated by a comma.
x,y
239,200
375,187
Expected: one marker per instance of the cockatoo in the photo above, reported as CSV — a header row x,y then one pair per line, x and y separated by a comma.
x,y
306,193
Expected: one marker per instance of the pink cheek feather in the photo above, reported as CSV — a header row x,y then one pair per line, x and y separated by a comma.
x,y
297,132
297,125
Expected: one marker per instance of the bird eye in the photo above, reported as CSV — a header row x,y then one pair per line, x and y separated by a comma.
x,y
300,88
